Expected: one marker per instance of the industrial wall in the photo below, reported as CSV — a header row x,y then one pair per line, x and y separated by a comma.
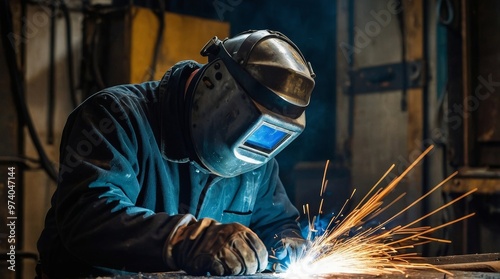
x,y
411,74
379,120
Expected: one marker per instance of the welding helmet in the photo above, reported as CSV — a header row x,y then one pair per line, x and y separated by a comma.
x,y
248,101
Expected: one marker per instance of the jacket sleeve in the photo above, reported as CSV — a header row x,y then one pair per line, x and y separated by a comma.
x,y
95,212
274,215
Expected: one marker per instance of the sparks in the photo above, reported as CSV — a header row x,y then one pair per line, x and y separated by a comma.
x,y
347,247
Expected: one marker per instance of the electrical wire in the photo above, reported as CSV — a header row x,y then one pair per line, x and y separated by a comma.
x,y
69,51
96,70
448,17
18,88
24,161
92,49
98,12
55,6
51,82
159,39
91,76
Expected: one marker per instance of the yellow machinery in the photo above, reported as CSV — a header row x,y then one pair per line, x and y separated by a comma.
x,y
183,37
119,45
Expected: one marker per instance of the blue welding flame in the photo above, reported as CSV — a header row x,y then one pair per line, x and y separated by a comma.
x,y
320,226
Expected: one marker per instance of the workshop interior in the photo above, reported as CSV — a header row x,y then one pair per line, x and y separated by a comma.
x,y
392,78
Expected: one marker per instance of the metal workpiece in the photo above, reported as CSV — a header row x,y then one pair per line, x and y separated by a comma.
x,y
418,274
461,266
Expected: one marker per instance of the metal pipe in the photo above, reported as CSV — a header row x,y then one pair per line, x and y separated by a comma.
x,y
69,53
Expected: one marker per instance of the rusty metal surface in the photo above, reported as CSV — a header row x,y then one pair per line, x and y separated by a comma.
x,y
459,259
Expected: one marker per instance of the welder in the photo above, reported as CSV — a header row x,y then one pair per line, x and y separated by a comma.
x,y
180,173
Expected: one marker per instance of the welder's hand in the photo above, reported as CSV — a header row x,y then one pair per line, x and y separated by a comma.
x,y
287,250
206,246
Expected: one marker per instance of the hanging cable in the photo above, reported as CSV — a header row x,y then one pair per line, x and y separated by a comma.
x,y
91,78
445,12
159,40
18,88
51,83
26,162
69,51
96,70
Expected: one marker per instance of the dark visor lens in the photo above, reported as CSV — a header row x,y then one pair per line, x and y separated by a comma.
x,y
266,138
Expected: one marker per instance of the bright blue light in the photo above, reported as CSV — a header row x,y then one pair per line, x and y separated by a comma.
x,y
266,138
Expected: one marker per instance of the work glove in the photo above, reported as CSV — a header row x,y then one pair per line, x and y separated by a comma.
x,y
206,246
286,251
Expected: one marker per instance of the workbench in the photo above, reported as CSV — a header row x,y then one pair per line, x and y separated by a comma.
x,y
411,274
486,266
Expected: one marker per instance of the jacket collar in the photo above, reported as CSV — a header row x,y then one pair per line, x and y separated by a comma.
x,y
175,145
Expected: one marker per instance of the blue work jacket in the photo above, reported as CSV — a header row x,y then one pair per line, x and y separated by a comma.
x,y
126,178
